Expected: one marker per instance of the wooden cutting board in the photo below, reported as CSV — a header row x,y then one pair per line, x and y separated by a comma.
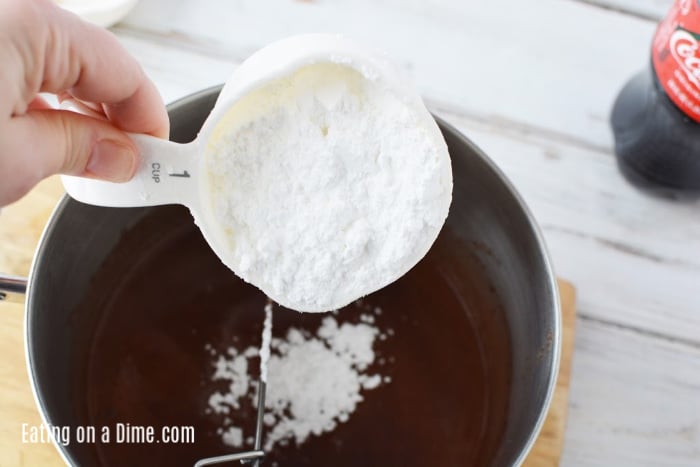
x,y
21,225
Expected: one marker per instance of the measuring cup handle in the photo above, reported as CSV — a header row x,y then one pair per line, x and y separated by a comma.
x,y
167,174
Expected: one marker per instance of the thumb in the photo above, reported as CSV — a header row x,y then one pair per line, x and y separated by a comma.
x,y
46,142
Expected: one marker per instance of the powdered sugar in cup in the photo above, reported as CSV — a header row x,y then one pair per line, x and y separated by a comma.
x,y
319,176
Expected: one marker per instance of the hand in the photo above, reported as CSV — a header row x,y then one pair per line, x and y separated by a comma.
x,y
46,49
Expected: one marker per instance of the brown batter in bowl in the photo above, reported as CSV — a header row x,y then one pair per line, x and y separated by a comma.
x,y
162,296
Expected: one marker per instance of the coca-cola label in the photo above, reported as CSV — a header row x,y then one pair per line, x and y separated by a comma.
x,y
676,56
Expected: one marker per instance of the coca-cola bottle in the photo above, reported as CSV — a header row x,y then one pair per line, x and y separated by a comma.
x,y
656,116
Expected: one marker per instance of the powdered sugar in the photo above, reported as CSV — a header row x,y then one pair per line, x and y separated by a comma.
x,y
315,383
315,380
266,341
327,186
232,436
233,368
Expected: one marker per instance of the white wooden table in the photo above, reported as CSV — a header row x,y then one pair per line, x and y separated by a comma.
x,y
532,83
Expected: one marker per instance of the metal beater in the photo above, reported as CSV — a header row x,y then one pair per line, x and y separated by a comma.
x,y
254,456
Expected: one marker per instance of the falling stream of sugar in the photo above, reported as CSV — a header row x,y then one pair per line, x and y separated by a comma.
x,y
266,340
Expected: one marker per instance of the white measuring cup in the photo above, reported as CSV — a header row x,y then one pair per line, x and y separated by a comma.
x,y
172,173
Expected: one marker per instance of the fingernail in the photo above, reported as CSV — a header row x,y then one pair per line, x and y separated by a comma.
x,y
112,161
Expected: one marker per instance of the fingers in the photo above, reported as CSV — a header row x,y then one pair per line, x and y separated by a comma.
x,y
38,103
90,64
45,142
46,48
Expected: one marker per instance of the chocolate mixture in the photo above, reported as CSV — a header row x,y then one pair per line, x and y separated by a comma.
x,y
162,296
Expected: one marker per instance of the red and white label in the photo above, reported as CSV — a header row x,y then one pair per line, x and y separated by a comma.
x,y
676,56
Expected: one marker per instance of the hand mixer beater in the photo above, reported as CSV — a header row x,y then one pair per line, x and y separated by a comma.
x,y
256,455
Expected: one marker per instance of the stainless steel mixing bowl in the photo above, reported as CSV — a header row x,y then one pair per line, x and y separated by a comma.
x,y
486,211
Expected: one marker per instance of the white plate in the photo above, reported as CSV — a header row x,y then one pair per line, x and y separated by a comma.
x,y
101,12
